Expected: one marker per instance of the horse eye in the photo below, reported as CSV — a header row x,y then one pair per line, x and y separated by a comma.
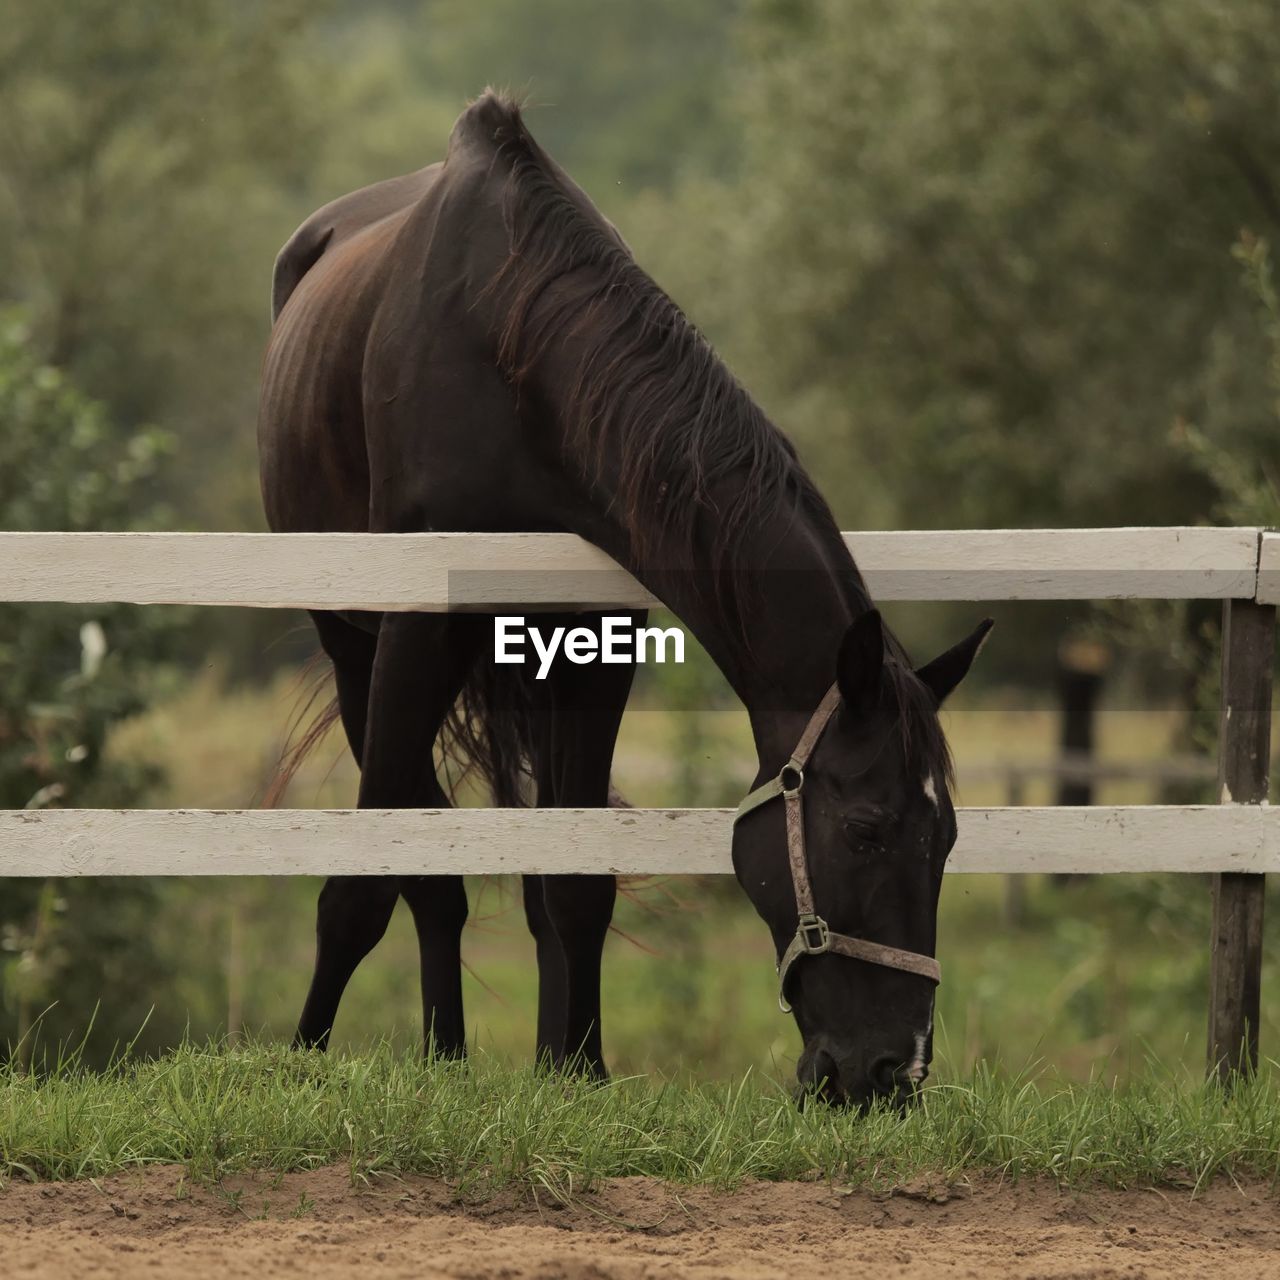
x,y
863,828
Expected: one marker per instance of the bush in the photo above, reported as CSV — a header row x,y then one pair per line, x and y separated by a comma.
x,y
67,674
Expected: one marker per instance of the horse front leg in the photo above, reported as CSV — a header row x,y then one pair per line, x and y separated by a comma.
x,y
439,906
552,995
580,909
577,732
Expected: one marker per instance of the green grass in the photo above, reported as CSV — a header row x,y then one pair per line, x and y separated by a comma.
x,y
485,1126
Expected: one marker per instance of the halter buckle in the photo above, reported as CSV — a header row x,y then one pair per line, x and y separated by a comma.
x,y
814,935
791,771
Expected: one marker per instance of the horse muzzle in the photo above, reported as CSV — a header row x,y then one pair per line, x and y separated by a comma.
x,y
860,1080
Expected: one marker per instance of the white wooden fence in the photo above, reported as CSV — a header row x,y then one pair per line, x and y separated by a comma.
x,y
1236,841
434,572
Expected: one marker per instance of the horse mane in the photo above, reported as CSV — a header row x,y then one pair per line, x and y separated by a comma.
x,y
651,396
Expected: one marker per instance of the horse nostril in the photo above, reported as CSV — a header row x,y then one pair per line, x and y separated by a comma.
x,y
886,1074
821,1075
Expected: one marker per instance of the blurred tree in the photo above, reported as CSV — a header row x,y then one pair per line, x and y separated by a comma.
x,y
146,156
624,95
67,674
1238,452
992,245
154,159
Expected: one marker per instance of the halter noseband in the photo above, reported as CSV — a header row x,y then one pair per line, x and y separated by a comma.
x,y
813,937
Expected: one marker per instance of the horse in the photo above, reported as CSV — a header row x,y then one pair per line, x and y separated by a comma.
x,y
473,347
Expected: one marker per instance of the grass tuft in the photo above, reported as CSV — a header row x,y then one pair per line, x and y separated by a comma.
x,y
486,1126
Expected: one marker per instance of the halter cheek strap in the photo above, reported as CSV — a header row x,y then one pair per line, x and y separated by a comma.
x,y
813,937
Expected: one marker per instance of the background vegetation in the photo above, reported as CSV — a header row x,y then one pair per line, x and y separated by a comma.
x,y
991,264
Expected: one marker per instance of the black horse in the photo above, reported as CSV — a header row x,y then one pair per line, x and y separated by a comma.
x,y
473,347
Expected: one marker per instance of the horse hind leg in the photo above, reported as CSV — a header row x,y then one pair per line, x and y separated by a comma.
x,y
351,917
353,911
422,662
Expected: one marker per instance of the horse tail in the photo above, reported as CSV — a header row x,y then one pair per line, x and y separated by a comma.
x,y
308,730
489,733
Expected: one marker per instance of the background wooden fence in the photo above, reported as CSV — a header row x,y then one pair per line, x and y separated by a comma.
x,y
1237,841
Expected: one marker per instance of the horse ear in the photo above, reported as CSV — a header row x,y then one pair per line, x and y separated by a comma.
x,y
860,663
948,669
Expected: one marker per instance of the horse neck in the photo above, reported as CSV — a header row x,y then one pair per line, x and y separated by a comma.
x,y
798,580
802,586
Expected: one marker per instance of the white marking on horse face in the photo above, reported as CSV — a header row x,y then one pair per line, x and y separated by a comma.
x,y
918,1068
931,791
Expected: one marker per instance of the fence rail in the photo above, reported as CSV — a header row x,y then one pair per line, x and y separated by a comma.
x,y
1237,841
435,572
1100,839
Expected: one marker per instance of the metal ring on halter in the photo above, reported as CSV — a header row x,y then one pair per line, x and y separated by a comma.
x,y
797,772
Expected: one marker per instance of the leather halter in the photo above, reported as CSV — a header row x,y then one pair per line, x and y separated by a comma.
x,y
813,936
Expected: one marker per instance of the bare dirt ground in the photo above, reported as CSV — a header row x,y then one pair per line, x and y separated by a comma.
x,y
153,1223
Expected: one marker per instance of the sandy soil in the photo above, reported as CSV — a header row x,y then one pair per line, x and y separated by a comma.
x,y
152,1223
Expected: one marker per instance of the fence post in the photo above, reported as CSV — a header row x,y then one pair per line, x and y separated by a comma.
x,y
1244,765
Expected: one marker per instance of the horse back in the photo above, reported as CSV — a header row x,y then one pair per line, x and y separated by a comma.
x,y
311,423
336,222
385,405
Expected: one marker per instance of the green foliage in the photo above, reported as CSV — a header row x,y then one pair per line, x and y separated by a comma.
x,y
1236,453
1240,457
141,170
978,259
625,96
68,673
67,676
997,242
